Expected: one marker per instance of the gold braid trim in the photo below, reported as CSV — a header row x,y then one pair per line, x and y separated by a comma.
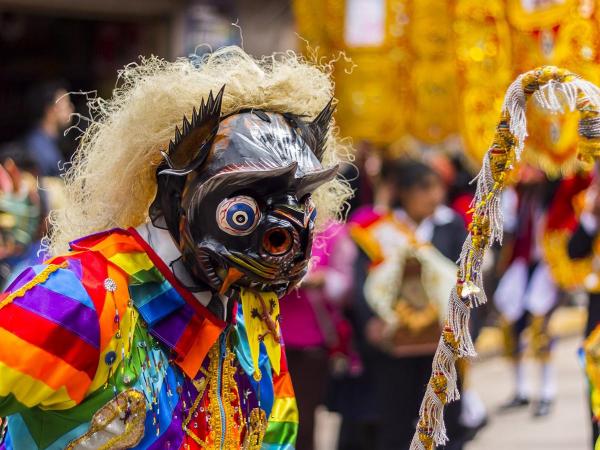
x,y
38,279
201,387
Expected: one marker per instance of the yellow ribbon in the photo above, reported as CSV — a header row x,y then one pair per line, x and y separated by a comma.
x,y
261,315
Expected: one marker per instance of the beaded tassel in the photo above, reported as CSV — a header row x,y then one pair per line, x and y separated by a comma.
x,y
555,90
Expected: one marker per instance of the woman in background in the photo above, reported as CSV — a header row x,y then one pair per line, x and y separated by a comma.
x,y
527,294
418,235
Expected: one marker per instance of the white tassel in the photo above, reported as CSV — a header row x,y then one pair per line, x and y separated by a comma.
x,y
444,363
515,104
416,443
458,321
589,90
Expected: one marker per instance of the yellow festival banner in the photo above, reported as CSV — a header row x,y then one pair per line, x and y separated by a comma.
x,y
435,70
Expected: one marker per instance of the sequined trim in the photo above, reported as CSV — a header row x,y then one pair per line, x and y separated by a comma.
x,y
210,393
38,279
231,402
213,411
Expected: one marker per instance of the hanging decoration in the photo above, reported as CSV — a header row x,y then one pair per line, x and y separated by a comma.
x,y
554,90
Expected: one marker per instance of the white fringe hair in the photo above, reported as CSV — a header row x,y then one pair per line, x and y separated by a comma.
x,y
112,180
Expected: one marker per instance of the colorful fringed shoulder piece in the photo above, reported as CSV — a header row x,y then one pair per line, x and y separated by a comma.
x,y
554,90
106,349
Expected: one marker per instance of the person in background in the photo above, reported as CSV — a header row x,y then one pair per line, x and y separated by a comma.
x,y
25,202
462,191
315,334
50,109
21,220
351,392
583,245
399,355
527,294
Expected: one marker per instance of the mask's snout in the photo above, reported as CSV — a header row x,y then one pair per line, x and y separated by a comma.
x,y
278,240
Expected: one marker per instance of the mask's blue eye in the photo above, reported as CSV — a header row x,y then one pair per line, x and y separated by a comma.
x,y
238,215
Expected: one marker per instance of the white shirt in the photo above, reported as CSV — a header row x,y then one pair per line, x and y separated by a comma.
x,y
162,243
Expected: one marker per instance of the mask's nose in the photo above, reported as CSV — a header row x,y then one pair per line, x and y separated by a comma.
x,y
278,240
286,231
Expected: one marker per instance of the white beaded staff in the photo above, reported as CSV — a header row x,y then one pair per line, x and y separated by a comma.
x,y
554,90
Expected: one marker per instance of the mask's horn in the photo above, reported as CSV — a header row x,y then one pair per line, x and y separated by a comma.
x,y
319,128
195,137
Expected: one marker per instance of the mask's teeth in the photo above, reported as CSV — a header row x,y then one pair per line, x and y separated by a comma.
x,y
232,276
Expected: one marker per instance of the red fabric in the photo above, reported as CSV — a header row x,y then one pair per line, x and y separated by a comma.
x,y
524,233
365,216
50,337
462,206
94,272
561,214
186,340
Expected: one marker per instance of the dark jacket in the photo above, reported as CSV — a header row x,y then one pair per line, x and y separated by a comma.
x,y
581,246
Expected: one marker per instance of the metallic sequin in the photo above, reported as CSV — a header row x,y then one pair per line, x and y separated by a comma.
x,y
110,285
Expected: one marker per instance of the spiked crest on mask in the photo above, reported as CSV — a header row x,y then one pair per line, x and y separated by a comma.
x,y
235,194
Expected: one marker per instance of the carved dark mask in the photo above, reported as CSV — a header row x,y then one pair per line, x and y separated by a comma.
x,y
235,194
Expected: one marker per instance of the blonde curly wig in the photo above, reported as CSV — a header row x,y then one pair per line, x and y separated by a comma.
x,y
112,180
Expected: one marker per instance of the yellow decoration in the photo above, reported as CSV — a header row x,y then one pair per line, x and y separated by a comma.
x,y
256,430
564,34
591,347
225,390
566,272
440,385
449,338
441,68
483,62
261,317
432,76
424,432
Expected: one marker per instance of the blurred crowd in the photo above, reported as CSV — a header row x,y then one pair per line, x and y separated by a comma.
x,y
362,330
30,178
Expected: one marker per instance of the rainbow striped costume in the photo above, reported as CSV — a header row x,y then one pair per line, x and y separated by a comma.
x,y
103,348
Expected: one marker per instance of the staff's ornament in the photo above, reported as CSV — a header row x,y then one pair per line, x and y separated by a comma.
x,y
555,90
